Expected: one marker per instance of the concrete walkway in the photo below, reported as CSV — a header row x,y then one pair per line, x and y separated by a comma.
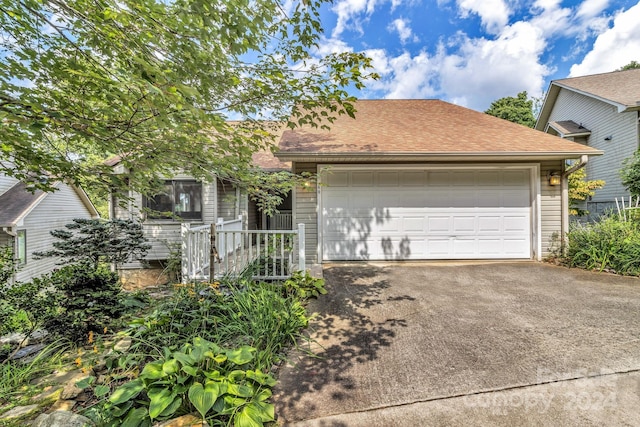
x,y
506,344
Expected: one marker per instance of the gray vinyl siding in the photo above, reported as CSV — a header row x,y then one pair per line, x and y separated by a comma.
x,y
305,211
227,201
55,211
5,239
603,120
550,207
6,182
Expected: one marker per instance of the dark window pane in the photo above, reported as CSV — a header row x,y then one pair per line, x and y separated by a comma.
x,y
179,198
161,205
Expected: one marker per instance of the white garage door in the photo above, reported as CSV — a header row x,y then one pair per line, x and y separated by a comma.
x,y
425,214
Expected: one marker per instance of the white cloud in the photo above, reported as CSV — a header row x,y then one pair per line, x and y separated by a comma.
x,y
332,45
494,14
615,47
349,14
401,26
591,8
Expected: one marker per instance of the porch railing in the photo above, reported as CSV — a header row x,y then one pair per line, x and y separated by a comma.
x,y
265,254
282,220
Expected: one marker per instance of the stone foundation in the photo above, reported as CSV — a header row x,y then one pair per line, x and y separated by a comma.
x,y
142,278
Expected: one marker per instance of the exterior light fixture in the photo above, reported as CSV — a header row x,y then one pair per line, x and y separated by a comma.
x,y
554,178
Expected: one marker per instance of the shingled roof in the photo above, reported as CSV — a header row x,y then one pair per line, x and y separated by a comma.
x,y
16,202
422,130
619,87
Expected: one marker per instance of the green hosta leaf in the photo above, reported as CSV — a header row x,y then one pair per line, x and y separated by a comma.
x,y
190,370
171,366
160,399
263,395
101,390
260,378
240,390
241,355
183,358
213,375
254,415
171,409
203,397
126,391
135,417
236,376
152,371
120,411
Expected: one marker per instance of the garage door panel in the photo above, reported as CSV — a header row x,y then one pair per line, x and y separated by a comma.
x,y
426,214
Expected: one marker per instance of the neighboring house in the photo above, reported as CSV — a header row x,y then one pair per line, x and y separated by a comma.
x,y
26,220
603,112
186,199
425,179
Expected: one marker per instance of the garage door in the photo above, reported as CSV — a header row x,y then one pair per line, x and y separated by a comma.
x,y
425,214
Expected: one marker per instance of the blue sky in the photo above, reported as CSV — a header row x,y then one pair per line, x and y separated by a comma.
x,y
472,52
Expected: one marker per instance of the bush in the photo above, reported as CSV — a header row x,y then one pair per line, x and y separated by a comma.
x,y
86,300
607,245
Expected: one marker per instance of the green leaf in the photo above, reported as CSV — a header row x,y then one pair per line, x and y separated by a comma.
x,y
135,417
183,358
242,355
152,371
101,390
260,378
126,391
240,390
253,415
203,397
85,382
171,366
160,399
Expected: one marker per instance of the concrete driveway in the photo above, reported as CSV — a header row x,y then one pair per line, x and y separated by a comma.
x,y
462,344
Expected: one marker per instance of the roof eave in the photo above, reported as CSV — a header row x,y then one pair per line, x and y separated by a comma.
x,y
621,107
434,156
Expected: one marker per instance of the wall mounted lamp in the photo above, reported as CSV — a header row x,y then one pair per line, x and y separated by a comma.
x,y
555,178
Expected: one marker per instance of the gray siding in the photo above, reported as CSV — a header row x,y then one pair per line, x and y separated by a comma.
x,y
603,120
5,239
55,211
305,211
6,182
550,208
227,201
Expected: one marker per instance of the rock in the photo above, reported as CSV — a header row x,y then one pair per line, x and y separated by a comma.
x,y
62,419
17,338
62,405
70,391
188,420
123,345
27,351
142,278
50,394
60,377
19,412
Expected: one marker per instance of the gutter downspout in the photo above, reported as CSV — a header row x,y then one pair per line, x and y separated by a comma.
x,y
584,159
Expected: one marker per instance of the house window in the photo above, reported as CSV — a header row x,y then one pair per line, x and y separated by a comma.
x,y
21,247
182,199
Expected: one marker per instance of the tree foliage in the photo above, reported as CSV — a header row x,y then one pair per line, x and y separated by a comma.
x,y
94,241
580,189
517,109
630,66
155,82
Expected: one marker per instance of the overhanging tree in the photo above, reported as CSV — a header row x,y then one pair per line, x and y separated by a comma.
x,y
155,82
518,109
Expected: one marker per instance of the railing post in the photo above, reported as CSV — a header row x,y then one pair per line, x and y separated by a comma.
x,y
301,249
212,252
184,234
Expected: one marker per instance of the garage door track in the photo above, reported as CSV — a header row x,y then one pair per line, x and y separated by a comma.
x,y
513,343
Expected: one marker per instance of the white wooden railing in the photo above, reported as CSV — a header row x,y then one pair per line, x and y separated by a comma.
x,y
282,220
265,254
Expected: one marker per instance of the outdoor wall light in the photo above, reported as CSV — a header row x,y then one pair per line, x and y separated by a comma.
x,y
554,178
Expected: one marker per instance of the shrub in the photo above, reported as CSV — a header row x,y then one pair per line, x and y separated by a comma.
x,y
86,300
609,244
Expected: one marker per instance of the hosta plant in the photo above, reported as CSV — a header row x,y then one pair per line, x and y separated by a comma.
x,y
200,377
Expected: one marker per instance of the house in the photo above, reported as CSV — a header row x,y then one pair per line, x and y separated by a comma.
x,y
603,112
189,200
425,179
27,218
